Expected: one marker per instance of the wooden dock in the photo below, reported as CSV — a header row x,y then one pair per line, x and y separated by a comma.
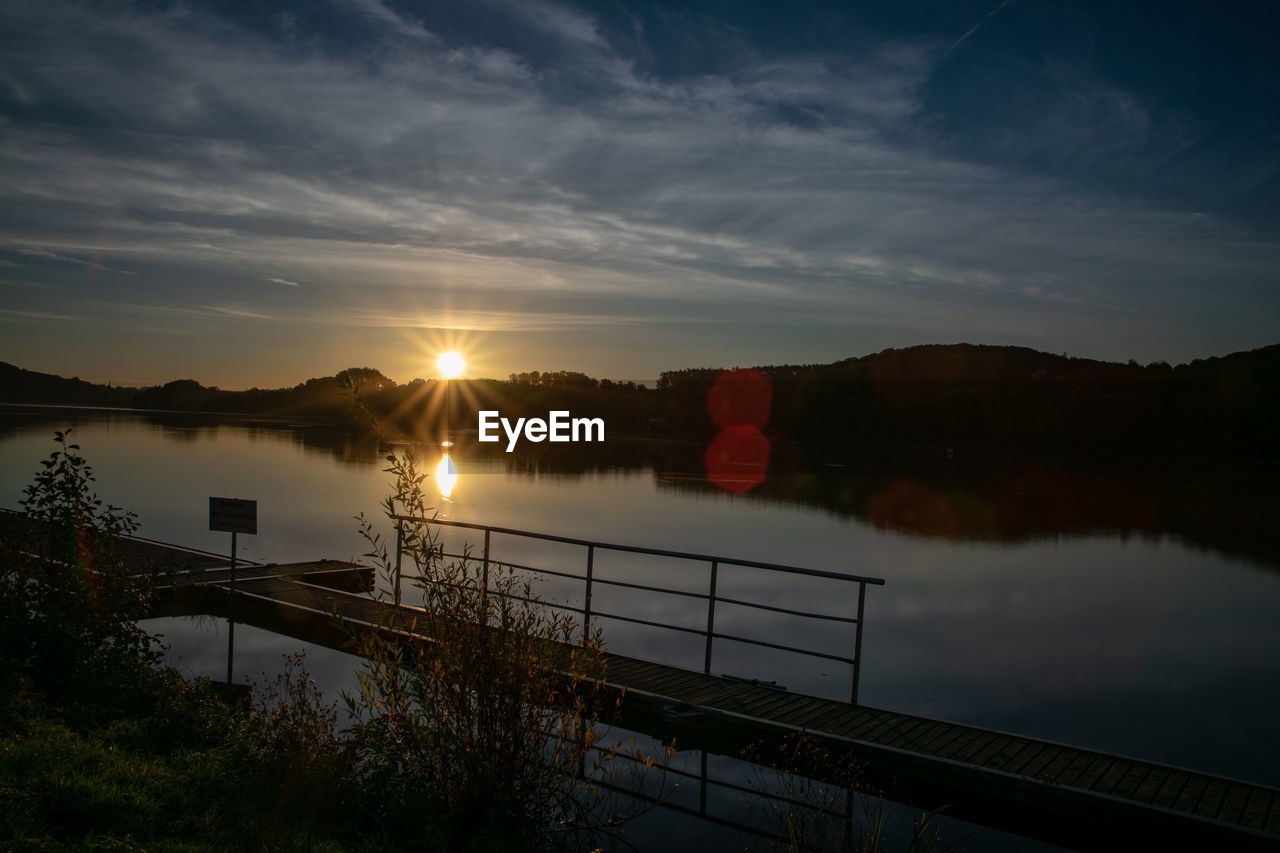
x,y
1050,791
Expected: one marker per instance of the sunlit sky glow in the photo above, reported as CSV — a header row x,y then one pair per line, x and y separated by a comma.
x,y
254,194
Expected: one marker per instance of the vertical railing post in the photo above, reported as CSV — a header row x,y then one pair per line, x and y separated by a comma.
x,y
848,820
231,611
702,784
711,615
399,554
586,603
486,561
857,645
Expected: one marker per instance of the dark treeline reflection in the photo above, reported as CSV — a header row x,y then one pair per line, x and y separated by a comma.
x,y
924,490
354,447
1003,497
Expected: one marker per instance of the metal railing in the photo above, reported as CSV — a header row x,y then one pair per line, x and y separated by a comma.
x,y
711,596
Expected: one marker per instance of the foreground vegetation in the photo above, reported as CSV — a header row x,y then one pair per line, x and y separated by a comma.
x,y
470,747
489,739
176,768
103,747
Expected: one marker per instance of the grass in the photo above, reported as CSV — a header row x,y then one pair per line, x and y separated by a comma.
x,y
188,773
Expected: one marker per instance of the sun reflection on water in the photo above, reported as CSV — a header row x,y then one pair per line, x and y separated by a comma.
x,y
446,475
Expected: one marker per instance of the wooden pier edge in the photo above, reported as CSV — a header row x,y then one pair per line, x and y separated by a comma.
x,y
1016,803
1057,814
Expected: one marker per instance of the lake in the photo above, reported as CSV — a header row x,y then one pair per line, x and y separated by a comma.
x,y
1135,612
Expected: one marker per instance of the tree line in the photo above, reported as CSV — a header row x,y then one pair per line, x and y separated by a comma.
x,y
953,396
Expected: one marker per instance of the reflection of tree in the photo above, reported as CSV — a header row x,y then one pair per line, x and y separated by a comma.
x,y
565,460
189,427
998,497
1022,498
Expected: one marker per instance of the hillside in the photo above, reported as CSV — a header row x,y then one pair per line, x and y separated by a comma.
x,y
1013,398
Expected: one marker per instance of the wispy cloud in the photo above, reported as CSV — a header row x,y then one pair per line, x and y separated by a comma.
x,y
283,281
969,32
54,256
489,321
34,315
234,311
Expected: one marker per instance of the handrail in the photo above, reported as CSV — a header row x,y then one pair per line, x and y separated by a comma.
x,y
638,549
710,596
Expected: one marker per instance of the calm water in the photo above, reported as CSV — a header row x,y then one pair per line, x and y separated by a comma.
x,y
1106,613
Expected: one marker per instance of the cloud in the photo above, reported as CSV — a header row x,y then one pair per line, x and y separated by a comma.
x,y
969,32
397,159
234,311
382,14
53,256
490,321
34,315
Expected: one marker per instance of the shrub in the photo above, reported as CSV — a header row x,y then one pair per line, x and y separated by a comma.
x,y
68,604
492,727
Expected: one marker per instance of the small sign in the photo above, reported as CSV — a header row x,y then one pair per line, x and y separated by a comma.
x,y
233,515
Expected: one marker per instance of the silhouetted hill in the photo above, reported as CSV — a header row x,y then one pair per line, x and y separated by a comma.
x,y
957,396
27,386
1012,398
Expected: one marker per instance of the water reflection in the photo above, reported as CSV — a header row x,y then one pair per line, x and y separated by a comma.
x,y
446,476
932,493
1014,599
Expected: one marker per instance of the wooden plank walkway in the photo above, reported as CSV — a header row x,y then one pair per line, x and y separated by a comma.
x,y
1053,791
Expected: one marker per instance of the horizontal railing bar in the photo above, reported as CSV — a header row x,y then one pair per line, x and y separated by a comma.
x,y
538,601
708,779
849,619
524,568
701,814
686,593
701,595
720,636
637,620
724,783
499,593
635,549
496,562
700,632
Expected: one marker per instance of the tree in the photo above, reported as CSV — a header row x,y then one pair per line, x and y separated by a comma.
x,y
68,603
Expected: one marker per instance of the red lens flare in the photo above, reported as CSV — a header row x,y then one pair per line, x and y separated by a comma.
x,y
739,402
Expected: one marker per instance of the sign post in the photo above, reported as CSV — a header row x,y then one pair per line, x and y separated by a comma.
x,y
234,516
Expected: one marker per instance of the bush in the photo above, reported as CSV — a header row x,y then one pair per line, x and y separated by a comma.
x,y
486,738
68,604
492,727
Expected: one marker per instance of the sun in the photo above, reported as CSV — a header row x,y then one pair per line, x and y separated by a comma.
x,y
450,364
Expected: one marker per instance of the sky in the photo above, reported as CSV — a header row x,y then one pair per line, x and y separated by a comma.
x,y
257,193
